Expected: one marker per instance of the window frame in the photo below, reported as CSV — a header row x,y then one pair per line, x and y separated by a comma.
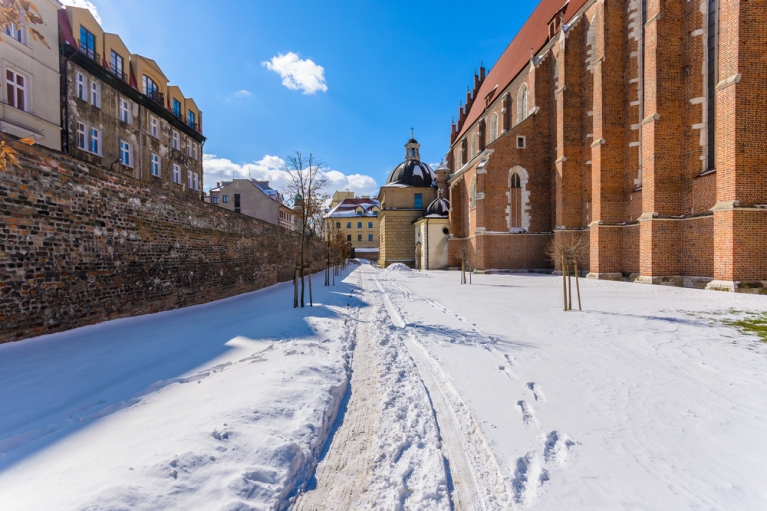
x,y
114,57
155,165
522,103
175,141
418,201
82,139
94,136
94,95
177,173
154,127
13,85
225,199
123,107
126,150
81,84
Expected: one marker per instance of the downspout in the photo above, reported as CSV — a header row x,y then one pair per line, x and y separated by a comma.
x,y
64,91
427,243
140,143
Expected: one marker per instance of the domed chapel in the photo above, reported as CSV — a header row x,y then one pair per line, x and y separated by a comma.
x,y
410,188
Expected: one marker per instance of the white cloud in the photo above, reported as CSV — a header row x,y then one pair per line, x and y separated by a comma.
x,y
85,4
239,95
298,74
271,168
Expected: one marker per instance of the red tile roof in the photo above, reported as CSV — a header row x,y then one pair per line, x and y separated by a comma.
x,y
534,33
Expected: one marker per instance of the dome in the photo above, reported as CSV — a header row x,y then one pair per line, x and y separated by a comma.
x,y
439,207
412,173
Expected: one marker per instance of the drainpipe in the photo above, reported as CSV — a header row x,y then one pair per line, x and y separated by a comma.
x,y
427,243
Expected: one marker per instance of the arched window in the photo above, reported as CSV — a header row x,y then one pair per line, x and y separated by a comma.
x,y
515,199
482,136
473,192
494,128
506,113
522,103
473,148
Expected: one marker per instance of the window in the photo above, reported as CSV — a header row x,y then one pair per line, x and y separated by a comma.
x,y
506,113
175,141
522,103
155,165
359,213
370,237
194,150
81,136
494,127
194,184
473,147
177,175
16,86
153,127
473,192
375,213
125,154
116,63
515,197
189,147
190,185
124,111
87,43
215,199
348,237
81,94
95,141
359,225
521,142
712,78
370,225
338,225
95,94
226,199
197,181
359,237
237,200
150,88
176,108
190,117
348,225
16,32
418,201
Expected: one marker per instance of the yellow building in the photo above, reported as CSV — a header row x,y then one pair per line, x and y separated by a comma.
x,y
120,113
410,188
357,219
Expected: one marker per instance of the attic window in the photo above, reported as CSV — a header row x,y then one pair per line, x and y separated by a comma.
x,y
554,26
490,96
482,164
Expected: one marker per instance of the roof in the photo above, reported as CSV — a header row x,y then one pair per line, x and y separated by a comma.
x,y
411,173
348,208
533,34
261,185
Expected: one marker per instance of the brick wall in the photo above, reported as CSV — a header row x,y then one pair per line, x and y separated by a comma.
x,y
80,245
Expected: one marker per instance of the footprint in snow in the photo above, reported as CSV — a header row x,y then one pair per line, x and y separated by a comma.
x,y
536,390
528,417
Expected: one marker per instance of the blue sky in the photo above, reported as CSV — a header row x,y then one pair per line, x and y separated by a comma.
x,y
386,66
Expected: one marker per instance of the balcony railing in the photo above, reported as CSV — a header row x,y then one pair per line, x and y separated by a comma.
x,y
89,52
156,96
118,73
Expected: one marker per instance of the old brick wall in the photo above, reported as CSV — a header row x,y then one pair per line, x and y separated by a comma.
x,y
80,245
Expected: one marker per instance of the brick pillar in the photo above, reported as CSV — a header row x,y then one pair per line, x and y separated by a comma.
x,y
660,249
569,136
607,149
740,227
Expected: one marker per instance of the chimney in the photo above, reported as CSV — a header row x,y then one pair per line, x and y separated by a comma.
x,y
476,82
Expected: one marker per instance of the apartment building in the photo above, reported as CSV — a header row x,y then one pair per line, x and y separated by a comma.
x,y
119,111
357,219
253,198
29,92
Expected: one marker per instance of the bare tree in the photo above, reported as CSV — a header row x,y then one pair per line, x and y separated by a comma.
x,y
570,250
304,188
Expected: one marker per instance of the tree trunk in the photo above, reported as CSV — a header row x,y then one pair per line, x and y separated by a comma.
x,y
577,286
564,279
569,289
295,287
311,301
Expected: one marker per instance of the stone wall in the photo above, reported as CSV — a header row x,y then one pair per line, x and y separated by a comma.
x,y
80,245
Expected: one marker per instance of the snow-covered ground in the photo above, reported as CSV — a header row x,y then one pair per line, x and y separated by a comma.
x,y
484,396
220,406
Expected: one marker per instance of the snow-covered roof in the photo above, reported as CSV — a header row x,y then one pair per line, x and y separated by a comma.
x,y
350,207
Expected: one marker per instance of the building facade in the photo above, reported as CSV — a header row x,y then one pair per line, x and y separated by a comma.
x,y
636,123
357,219
119,112
252,198
29,92
409,189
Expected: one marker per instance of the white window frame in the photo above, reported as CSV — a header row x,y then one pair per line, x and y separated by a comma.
x,y
95,94
94,136
175,141
154,129
14,84
81,84
17,34
123,108
177,174
126,150
521,142
155,165
522,103
189,181
189,147
194,150
215,199
225,199
196,181
82,141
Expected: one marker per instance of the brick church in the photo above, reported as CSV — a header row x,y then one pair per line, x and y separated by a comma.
x,y
641,124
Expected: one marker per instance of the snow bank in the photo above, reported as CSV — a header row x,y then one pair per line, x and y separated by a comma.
x,y
226,405
399,267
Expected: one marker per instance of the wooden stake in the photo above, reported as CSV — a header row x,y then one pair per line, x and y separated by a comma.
x,y
564,279
463,271
577,286
569,289
295,288
311,301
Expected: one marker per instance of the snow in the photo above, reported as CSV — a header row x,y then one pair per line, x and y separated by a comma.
x,y
484,396
220,406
